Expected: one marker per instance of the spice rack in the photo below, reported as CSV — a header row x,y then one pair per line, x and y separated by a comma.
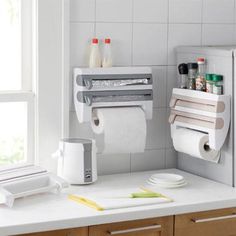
x,y
201,111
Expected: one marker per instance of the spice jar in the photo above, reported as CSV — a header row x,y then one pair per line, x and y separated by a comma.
x,y
200,80
217,84
192,74
209,83
183,76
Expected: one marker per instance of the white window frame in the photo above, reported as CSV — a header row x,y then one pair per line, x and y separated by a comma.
x,y
52,87
26,94
27,43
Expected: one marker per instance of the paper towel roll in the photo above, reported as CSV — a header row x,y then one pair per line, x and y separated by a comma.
x,y
124,129
194,143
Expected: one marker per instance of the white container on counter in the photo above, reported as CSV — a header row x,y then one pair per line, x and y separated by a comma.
x,y
77,160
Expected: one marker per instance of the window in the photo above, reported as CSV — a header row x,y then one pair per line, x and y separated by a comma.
x,y
16,94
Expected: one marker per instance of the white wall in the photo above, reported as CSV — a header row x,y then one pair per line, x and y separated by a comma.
x,y
145,32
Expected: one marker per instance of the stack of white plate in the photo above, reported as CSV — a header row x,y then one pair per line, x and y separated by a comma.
x,y
165,180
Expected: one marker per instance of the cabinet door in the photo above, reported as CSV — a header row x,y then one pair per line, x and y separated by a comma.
x,y
208,223
162,226
65,232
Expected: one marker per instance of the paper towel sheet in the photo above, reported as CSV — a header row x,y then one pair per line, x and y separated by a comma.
x,y
124,129
194,143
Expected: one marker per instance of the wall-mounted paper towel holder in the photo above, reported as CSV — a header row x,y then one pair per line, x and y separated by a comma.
x,y
112,87
205,112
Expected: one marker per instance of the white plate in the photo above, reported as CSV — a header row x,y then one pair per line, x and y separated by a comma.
x,y
167,186
161,182
167,178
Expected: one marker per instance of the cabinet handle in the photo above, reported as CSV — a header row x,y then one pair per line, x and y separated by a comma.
x,y
125,231
214,218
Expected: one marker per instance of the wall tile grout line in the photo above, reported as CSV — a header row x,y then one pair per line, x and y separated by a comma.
x,y
202,2
132,35
168,24
131,60
153,23
95,18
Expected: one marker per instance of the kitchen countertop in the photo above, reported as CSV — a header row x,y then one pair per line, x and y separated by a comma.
x,y
50,212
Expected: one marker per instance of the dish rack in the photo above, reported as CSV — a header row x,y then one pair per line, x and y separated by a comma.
x,y
201,111
25,180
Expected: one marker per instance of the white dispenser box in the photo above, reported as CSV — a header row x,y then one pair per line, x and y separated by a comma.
x,y
222,61
201,111
117,101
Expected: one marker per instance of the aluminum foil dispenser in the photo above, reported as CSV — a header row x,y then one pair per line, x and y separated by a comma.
x,y
112,87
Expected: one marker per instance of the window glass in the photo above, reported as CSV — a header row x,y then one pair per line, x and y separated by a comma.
x,y
13,132
10,45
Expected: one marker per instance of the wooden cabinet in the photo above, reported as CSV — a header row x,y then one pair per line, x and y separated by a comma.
x,y
209,223
65,232
162,226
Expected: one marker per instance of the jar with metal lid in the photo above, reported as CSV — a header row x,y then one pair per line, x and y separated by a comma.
x,y
217,84
183,76
201,74
192,74
209,83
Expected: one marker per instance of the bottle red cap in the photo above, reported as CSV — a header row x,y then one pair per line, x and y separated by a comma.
x,y
95,40
201,59
107,40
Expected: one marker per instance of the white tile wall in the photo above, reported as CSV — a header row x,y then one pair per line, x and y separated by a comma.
x,y
185,11
80,35
154,159
114,11
159,75
79,130
146,32
113,164
218,11
82,10
156,129
149,44
218,34
151,11
171,160
182,34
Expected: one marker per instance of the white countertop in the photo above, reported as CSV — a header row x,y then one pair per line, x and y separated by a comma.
x,y
50,212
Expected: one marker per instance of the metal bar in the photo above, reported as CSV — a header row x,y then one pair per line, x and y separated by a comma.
x,y
214,218
80,79
125,231
115,95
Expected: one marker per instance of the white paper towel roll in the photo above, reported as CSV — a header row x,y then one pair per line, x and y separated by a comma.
x,y
124,129
194,143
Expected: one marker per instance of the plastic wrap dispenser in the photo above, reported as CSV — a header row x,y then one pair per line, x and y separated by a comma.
x,y
112,87
205,112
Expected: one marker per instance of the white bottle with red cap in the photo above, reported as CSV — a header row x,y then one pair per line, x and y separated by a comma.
x,y
107,55
95,56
